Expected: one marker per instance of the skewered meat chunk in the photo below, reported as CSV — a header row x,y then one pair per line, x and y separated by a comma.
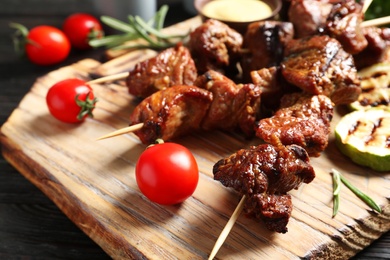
x,y
318,65
171,112
265,174
378,48
215,46
233,105
274,209
343,24
216,103
273,86
339,19
264,43
308,17
173,66
303,120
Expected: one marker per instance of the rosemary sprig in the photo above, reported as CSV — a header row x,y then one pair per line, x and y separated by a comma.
x,y
338,177
336,193
137,28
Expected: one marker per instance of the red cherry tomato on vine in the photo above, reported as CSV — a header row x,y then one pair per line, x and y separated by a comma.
x,y
167,173
71,100
80,28
47,45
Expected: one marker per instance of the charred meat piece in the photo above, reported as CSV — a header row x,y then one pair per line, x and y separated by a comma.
x,y
234,106
319,65
215,46
265,174
173,66
303,120
273,209
308,17
171,112
215,103
378,48
343,23
264,43
273,86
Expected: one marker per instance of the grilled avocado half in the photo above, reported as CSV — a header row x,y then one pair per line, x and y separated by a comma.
x,y
364,136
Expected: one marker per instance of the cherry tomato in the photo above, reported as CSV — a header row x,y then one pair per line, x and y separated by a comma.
x,y
167,173
71,100
47,45
80,28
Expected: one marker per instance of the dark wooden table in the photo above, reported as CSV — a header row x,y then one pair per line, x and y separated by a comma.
x,y
31,226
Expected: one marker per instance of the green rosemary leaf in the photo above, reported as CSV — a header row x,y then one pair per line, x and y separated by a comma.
x,y
141,31
154,31
336,182
112,40
364,197
160,17
117,24
336,192
137,28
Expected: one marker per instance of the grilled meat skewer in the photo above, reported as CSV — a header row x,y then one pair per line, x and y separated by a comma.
x,y
265,174
319,65
303,119
173,66
216,103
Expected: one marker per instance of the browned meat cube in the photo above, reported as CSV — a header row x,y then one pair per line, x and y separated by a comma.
x,y
215,46
234,106
266,170
343,23
273,209
308,17
273,86
173,66
378,48
303,120
171,112
264,44
319,65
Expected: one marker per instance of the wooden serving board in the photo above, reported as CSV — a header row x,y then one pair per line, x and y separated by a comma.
x,y
93,183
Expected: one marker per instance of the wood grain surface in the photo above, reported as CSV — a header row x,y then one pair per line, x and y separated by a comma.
x,y
93,183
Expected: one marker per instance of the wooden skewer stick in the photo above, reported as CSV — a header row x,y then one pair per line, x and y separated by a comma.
x,y
373,22
229,225
366,4
376,22
118,76
122,131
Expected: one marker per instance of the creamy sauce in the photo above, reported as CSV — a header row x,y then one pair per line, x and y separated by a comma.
x,y
237,10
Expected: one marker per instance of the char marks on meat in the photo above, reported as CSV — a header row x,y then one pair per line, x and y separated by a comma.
x,y
234,106
265,174
340,19
343,24
303,120
264,43
215,46
173,66
319,65
171,112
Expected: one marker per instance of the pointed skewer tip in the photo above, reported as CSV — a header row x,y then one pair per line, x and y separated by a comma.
x,y
229,225
122,131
